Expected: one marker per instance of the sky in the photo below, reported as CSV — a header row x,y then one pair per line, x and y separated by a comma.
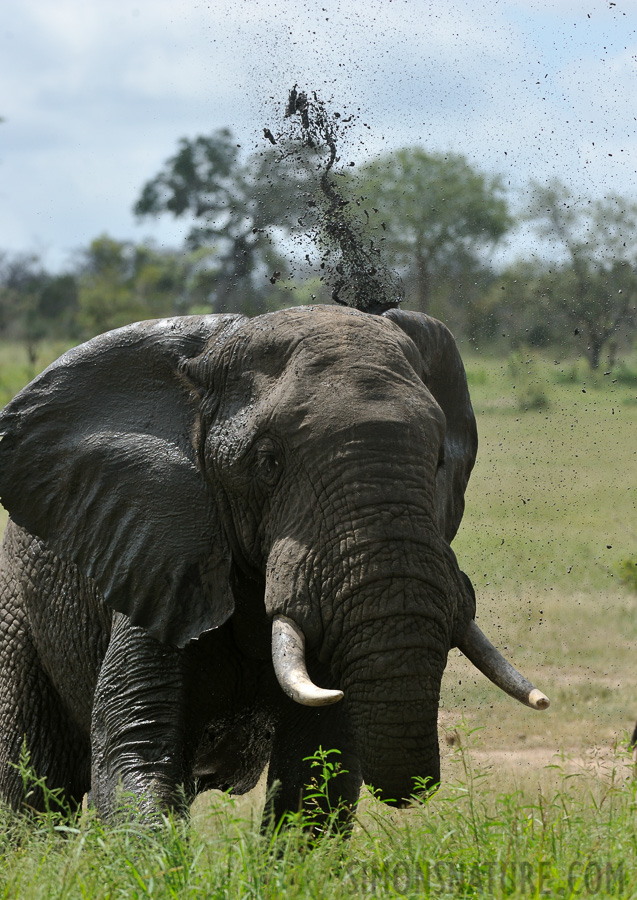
x,y
95,95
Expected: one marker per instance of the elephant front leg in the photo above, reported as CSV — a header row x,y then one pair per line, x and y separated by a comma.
x,y
304,737
137,727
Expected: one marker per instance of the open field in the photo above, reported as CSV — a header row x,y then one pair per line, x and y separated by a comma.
x,y
550,513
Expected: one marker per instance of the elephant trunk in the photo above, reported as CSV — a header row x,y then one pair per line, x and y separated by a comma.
x,y
391,673
378,611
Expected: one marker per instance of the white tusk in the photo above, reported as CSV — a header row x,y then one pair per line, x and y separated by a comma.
x,y
491,663
288,656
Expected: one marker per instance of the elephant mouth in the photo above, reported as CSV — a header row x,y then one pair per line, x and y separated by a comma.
x,y
232,752
288,657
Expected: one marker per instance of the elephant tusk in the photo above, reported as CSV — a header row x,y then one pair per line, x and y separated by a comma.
x,y
479,649
288,656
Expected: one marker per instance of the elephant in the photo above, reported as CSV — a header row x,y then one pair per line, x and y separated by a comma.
x,y
229,545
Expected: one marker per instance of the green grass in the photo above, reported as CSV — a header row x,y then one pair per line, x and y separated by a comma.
x,y
550,516
479,836
16,370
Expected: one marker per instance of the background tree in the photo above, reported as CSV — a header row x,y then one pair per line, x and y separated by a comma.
x,y
120,282
518,308
593,279
438,217
34,304
234,207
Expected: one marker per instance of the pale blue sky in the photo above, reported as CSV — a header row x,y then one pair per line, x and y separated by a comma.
x,y
96,94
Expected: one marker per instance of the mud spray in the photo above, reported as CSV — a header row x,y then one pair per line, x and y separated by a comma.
x,y
350,259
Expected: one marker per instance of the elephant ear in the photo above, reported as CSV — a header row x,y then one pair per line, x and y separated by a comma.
x,y
445,377
99,458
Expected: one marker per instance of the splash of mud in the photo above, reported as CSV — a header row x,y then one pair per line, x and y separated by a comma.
x,y
351,264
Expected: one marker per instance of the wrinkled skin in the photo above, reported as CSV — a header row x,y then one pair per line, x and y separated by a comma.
x,y
173,486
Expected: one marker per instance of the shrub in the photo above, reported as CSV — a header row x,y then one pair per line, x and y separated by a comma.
x,y
626,570
530,393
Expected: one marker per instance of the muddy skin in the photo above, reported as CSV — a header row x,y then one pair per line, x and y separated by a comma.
x,y
176,486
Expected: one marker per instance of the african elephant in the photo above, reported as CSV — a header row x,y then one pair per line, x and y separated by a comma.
x,y
210,517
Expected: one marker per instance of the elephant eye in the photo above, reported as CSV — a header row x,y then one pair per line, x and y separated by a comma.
x,y
441,456
267,463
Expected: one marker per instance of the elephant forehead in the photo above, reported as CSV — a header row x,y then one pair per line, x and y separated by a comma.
x,y
324,369
318,393
337,402
323,338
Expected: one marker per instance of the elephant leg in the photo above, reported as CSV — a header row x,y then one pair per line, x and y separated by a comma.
x,y
137,728
300,734
32,715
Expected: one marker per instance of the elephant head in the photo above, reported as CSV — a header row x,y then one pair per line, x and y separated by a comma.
x,y
318,455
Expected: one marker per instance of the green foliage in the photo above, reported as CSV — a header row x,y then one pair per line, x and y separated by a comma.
x,y
57,811
571,834
317,797
627,572
518,307
34,304
121,283
435,215
593,280
233,206
529,391
199,179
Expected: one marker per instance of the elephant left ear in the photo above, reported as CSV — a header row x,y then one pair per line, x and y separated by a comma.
x,y
444,375
99,458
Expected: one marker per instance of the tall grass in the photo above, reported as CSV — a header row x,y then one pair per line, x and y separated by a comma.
x,y
573,835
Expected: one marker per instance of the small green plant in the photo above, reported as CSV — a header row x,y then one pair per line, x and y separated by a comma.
x,y
523,370
321,813
57,812
626,570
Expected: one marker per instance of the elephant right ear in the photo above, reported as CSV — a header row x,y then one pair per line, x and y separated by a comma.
x,y
99,458
445,377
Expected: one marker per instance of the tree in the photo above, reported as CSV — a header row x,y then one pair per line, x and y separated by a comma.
x,y
234,207
438,217
34,304
594,278
518,306
121,282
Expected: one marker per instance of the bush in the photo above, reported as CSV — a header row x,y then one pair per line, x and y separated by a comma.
x,y
627,572
523,370
624,375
